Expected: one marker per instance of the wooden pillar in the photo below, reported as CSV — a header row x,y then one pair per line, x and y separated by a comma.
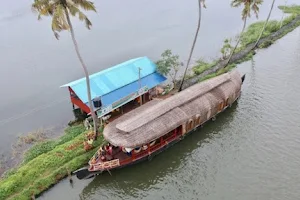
x,y
132,154
149,152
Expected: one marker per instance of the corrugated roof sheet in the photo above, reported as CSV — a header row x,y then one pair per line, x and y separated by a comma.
x,y
113,78
150,81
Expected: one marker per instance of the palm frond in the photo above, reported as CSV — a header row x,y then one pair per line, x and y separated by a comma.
x,y
236,3
43,7
73,10
59,22
248,6
84,4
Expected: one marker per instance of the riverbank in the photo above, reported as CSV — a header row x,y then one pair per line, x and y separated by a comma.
x,y
246,50
47,163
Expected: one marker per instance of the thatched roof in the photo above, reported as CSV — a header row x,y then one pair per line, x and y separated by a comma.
x,y
158,117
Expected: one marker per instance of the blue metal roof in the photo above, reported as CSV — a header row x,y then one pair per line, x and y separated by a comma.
x,y
111,79
150,81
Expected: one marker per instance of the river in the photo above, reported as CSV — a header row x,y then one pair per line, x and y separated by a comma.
x,y
251,152
34,64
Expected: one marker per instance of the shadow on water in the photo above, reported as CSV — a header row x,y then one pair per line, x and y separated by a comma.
x,y
147,174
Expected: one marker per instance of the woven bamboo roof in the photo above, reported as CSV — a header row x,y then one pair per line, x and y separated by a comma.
x,y
157,117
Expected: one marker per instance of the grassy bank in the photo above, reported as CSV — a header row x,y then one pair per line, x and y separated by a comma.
x,y
294,9
248,38
47,163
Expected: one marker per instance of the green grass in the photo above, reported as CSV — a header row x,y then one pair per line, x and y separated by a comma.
x,y
202,66
44,147
289,19
219,72
253,31
47,166
294,9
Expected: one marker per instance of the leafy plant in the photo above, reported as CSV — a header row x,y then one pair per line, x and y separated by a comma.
x,y
168,65
226,49
203,65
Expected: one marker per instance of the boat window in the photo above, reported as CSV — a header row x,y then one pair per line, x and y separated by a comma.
x,y
168,135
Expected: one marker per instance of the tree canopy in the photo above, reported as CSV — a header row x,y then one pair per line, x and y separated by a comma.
x,y
248,5
57,8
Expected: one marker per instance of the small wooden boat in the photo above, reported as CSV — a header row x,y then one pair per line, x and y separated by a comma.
x,y
151,128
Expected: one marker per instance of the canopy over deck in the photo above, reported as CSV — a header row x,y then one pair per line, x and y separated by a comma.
x,y
158,117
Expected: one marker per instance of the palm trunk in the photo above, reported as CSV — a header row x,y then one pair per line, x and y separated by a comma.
x,y
193,46
262,31
86,73
281,21
238,42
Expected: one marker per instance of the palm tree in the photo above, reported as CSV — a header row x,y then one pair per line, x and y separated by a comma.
x,y
248,6
60,11
194,42
266,22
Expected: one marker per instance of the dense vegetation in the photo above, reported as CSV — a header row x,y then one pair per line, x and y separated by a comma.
x,y
249,37
294,9
46,164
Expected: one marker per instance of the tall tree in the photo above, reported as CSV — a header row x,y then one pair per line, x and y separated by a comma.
x,y
60,11
246,13
194,42
266,22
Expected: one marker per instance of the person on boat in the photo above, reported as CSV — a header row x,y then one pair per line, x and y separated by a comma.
x,y
103,155
108,149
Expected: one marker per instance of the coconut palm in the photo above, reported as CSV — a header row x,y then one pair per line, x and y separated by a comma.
x,y
266,22
60,11
194,42
246,13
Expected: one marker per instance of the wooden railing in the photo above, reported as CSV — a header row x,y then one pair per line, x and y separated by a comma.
x,y
107,165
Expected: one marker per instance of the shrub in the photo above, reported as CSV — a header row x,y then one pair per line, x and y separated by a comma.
x,y
203,66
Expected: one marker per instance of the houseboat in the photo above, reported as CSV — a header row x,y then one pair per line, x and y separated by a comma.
x,y
151,128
